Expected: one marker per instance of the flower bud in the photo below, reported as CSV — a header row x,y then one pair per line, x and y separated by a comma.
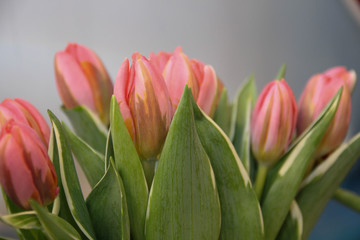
x,y
26,171
82,79
178,71
145,105
273,122
318,92
24,112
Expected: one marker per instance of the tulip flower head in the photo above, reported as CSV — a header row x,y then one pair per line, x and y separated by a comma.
x,y
144,103
26,171
24,112
179,71
82,79
273,122
318,92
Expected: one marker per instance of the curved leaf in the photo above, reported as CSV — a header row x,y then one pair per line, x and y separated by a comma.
x,y
70,186
55,227
91,161
87,126
183,202
318,188
107,207
222,115
128,164
240,210
293,226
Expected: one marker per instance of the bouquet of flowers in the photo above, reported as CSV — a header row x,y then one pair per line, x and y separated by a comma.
x,y
168,156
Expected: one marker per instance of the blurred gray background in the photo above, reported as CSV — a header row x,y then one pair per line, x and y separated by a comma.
x,y
236,37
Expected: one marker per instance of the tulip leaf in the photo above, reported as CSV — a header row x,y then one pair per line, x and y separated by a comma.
x,y
293,226
243,105
107,207
109,153
284,180
282,72
88,126
70,186
128,164
318,188
22,220
240,210
23,234
183,202
222,114
91,161
55,227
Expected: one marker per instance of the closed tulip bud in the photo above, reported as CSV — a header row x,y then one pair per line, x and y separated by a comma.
x,y
177,73
273,122
210,87
82,79
318,92
26,171
145,105
24,112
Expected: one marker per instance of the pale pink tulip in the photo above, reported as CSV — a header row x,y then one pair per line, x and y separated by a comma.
x,y
273,122
26,171
24,112
82,79
318,92
144,103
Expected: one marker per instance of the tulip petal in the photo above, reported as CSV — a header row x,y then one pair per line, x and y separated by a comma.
x,y
208,91
72,83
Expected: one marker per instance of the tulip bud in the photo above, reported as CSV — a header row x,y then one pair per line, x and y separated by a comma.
x,y
273,122
26,171
318,92
145,105
24,112
177,73
82,79
159,60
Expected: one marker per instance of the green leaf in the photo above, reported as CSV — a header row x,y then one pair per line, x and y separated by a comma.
x,y
22,220
222,114
240,210
107,207
88,127
128,164
183,202
109,153
282,186
70,185
320,185
244,103
23,234
293,226
281,73
91,161
55,227
348,198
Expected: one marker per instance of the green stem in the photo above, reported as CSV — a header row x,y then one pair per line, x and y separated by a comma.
x,y
347,198
149,170
260,179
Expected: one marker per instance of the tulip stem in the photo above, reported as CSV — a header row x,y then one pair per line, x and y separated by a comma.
x,y
149,170
260,179
347,198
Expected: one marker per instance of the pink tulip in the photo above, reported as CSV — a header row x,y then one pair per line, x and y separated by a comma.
x,y
82,79
316,95
26,171
178,70
144,104
273,122
24,112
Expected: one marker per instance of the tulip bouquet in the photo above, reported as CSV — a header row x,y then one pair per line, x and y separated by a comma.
x,y
168,156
